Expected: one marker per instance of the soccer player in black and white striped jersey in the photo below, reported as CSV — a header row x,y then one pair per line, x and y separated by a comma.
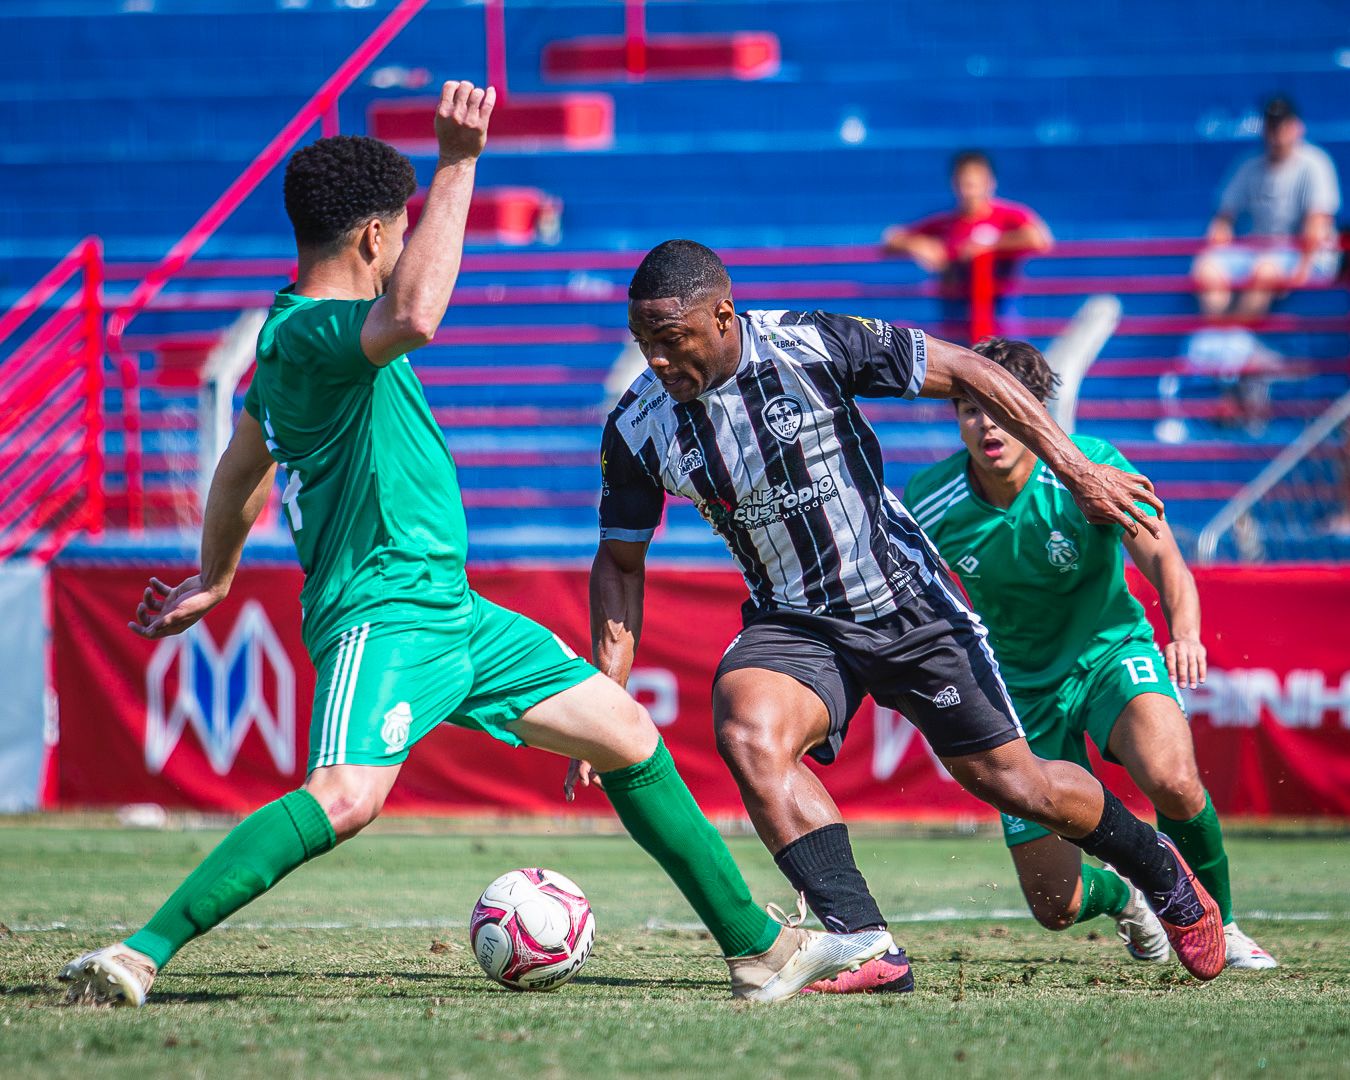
x,y
753,417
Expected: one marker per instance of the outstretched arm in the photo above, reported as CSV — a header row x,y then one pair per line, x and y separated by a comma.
x,y
411,310
1160,560
1105,494
239,490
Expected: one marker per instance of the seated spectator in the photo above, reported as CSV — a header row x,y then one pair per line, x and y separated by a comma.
x,y
1290,196
948,242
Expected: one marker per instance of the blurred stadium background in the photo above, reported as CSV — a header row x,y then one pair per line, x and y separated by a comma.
x,y
142,230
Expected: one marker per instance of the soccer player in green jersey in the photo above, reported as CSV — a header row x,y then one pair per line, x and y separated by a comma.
x,y
1078,654
399,641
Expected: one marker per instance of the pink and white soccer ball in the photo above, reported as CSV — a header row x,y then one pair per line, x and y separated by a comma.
x,y
532,929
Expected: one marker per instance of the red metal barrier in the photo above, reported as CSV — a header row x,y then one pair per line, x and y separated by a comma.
x,y
51,409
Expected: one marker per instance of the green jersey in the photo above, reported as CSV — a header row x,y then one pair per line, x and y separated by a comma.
x,y
371,496
1049,585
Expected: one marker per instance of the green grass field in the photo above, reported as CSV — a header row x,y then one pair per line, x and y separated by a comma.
x,y
358,965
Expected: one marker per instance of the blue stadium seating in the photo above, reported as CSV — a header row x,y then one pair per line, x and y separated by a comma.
x,y
1113,120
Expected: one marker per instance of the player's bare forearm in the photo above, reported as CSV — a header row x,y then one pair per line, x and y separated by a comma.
x,y
618,577
410,311
954,372
424,278
1106,495
239,490
1160,561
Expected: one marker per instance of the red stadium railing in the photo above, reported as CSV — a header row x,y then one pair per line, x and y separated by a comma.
x,y
51,409
821,274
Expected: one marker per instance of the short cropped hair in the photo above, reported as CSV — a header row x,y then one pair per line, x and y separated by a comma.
x,y
1024,362
343,183
970,157
682,269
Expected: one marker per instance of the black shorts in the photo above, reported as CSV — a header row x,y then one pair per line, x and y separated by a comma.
x,y
930,660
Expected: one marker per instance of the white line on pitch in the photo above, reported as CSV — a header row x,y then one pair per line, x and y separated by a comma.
x,y
936,915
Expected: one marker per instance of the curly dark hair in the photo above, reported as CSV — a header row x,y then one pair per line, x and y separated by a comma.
x,y
683,269
342,183
1022,360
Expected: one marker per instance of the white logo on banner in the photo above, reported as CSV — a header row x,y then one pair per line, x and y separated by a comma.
x,y
1301,699
221,694
892,736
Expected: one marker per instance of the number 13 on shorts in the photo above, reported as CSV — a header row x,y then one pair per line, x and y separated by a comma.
x,y
1141,669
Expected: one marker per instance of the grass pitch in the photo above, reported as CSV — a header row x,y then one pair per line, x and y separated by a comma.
x,y
358,966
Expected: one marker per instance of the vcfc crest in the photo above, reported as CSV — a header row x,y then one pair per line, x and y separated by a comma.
x,y
221,693
783,414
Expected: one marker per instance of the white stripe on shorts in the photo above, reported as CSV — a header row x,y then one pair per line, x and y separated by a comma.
x,y
340,747
336,693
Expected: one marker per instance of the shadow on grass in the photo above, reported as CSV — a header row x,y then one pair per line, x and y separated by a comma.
x,y
650,984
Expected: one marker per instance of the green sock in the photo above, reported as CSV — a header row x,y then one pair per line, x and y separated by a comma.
x,y
1104,893
259,851
1200,842
660,814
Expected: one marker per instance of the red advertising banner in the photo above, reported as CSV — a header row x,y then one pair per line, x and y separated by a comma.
x,y
219,718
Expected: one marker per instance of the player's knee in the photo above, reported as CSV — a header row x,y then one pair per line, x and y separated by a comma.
x,y
1052,915
351,809
1177,794
749,740
1026,794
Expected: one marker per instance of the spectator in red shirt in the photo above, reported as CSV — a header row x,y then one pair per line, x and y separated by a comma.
x,y
948,242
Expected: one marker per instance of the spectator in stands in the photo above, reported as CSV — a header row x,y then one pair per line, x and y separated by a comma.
x,y
947,243
1290,196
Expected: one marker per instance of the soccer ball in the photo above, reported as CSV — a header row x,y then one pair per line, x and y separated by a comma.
x,y
532,929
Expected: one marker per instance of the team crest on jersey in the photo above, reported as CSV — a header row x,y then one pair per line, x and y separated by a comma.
x,y
783,414
968,564
1061,551
397,724
691,460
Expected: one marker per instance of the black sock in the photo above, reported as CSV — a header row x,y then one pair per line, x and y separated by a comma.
x,y
1133,848
820,865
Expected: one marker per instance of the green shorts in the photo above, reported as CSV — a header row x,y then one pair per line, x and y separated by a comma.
x,y
381,688
1086,705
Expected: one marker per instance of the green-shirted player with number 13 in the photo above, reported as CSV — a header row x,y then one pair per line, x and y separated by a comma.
x,y
400,643
1078,655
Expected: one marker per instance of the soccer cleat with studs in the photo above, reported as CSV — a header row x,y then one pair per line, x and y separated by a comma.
x,y
798,958
113,976
1191,919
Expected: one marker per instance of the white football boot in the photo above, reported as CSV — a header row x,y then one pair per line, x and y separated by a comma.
x,y
1143,935
1243,954
798,957
113,975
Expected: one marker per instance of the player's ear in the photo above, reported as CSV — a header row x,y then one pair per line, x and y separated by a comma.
x,y
372,240
725,315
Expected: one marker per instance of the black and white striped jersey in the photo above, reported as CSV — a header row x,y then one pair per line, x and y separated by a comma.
x,y
782,464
